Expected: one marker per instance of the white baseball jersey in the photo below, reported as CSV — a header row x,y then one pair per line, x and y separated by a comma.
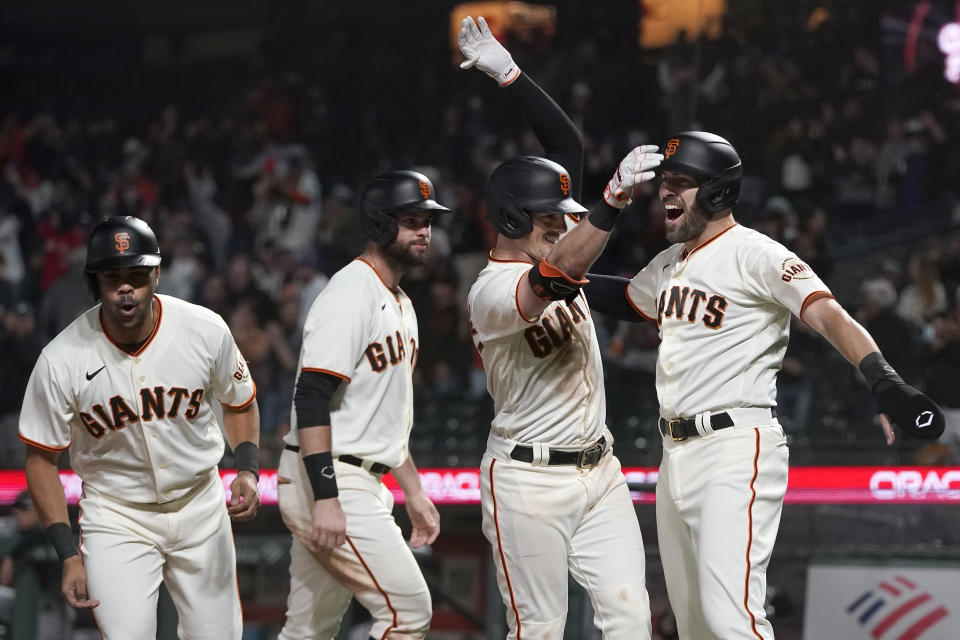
x,y
544,374
140,427
365,333
546,522
735,291
361,331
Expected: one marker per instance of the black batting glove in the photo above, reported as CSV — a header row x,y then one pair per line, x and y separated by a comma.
x,y
908,407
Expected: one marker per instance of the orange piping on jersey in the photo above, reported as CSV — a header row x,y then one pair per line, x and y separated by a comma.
x,y
503,558
327,371
684,255
42,446
236,577
153,333
635,307
83,495
377,585
813,297
573,218
237,407
379,277
516,297
753,497
502,261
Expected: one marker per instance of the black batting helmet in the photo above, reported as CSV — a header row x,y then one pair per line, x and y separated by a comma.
x,y
525,185
390,194
121,241
712,161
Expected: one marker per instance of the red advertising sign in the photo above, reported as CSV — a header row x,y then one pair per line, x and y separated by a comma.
x,y
807,485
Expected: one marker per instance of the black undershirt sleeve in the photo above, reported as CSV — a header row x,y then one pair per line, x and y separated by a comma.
x,y
311,399
608,295
561,140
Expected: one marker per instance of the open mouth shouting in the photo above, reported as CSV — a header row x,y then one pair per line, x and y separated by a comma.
x,y
673,210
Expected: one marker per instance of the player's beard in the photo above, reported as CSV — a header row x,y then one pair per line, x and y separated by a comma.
x,y
694,222
408,255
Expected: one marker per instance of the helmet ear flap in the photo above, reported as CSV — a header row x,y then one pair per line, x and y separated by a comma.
x,y
510,220
719,193
380,226
93,285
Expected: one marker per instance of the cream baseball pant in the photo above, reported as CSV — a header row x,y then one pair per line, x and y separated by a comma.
x,y
129,548
719,499
375,564
545,521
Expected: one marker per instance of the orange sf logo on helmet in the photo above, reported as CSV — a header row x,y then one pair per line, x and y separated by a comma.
x,y
564,184
425,188
671,147
121,241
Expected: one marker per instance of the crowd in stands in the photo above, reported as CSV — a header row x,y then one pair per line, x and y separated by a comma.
x,y
256,204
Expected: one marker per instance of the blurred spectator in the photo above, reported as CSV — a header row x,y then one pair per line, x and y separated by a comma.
x,y
287,207
67,298
941,374
924,296
11,258
897,340
61,235
20,346
31,568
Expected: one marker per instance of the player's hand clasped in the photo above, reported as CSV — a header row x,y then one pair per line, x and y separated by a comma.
x,y
635,168
482,50
244,497
425,520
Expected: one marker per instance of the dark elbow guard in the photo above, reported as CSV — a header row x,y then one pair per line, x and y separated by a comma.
x,y
608,295
550,283
311,399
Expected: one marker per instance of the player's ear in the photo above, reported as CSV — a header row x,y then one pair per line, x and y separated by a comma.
x,y
156,276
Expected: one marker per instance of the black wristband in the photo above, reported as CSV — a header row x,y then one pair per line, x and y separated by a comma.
x,y
246,457
323,479
63,541
879,374
603,216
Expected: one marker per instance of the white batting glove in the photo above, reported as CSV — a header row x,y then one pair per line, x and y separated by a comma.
x,y
480,48
636,167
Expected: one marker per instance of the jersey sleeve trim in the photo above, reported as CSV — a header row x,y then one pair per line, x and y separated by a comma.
x,y
813,297
635,307
45,447
242,405
516,297
326,371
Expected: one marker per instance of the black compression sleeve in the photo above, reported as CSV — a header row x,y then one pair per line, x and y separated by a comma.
x,y
603,216
561,140
608,295
311,399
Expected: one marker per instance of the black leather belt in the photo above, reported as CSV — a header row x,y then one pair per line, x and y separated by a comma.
x,y
587,457
372,467
683,428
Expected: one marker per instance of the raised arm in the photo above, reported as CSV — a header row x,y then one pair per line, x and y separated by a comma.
x,y
561,140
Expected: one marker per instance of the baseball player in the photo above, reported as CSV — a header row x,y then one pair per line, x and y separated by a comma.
x,y
722,296
128,387
353,410
553,495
